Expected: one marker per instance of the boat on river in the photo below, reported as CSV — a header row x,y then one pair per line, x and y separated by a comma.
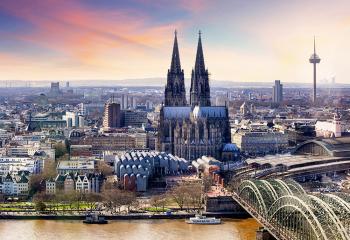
x,y
94,218
200,219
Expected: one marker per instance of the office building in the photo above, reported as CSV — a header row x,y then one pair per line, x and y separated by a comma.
x,y
277,92
134,118
111,118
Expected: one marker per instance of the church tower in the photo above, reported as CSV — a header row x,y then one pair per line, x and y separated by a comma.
x,y
175,94
200,90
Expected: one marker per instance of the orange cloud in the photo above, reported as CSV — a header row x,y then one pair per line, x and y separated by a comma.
x,y
84,33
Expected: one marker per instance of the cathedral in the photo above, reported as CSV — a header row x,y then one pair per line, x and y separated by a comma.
x,y
195,129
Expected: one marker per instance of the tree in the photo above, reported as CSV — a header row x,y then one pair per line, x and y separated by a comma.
x,y
187,194
115,199
45,198
207,183
155,201
35,184
179,195
111,199
109,184
49,170
53,202
104,168
159,201
68,198
40,206
60,150
91,199
195,196
39,196
78,198
37,181
127,199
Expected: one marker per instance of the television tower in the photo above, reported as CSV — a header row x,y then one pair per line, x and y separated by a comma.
x,y
314,59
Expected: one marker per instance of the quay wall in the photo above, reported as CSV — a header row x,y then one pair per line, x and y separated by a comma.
x,y
124,217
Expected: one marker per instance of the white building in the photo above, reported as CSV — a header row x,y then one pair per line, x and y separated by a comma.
x,y
73,119
260,142
329,129
50,187
82,184
31,150
27,139
76,166
22,185
11,186
13,165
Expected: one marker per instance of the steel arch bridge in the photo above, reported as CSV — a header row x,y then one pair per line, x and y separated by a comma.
x,y
288,212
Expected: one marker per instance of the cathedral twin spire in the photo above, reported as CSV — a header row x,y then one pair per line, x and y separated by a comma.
x,y
200,90
199,65
175,60
175,94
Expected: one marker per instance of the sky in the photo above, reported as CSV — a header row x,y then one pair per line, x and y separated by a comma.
x,y
245,41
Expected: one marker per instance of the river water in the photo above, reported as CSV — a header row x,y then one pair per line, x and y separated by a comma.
x,y
242,229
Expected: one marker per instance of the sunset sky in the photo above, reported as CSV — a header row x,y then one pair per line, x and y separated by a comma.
x,y
246,40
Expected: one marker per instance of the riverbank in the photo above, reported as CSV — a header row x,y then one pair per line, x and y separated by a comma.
x,y
134,216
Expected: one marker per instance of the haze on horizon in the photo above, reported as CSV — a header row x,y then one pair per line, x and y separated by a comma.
x,y
246,41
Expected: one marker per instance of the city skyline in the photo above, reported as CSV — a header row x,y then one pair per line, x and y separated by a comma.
x,y
154,115
83,40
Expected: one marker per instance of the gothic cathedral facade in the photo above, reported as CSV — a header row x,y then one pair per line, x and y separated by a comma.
x,y
195,129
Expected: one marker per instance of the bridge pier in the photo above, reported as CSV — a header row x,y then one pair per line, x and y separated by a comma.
x,y
263,234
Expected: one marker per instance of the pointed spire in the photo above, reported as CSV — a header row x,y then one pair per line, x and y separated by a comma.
x,y
200,90
175,60
175,94
199,65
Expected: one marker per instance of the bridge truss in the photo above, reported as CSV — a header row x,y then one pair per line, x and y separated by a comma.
x,y
288,212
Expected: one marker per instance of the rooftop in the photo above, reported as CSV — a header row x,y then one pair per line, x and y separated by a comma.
x,y
337,147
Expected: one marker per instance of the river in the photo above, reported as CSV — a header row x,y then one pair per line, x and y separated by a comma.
x,y
240,229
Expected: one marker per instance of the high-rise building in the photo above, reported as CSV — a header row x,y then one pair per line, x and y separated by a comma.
x,y
55,88
277,92
200,90
314,59
74,119
244,109
175,93
111,118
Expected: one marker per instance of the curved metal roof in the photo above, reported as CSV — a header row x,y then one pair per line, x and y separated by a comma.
x,y
337,147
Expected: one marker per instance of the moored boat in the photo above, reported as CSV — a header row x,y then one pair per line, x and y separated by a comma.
x,y
94,218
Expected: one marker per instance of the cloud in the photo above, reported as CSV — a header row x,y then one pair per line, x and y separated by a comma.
x,y
243,40
84,33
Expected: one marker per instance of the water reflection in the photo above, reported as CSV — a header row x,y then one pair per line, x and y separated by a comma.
x,y
132,230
